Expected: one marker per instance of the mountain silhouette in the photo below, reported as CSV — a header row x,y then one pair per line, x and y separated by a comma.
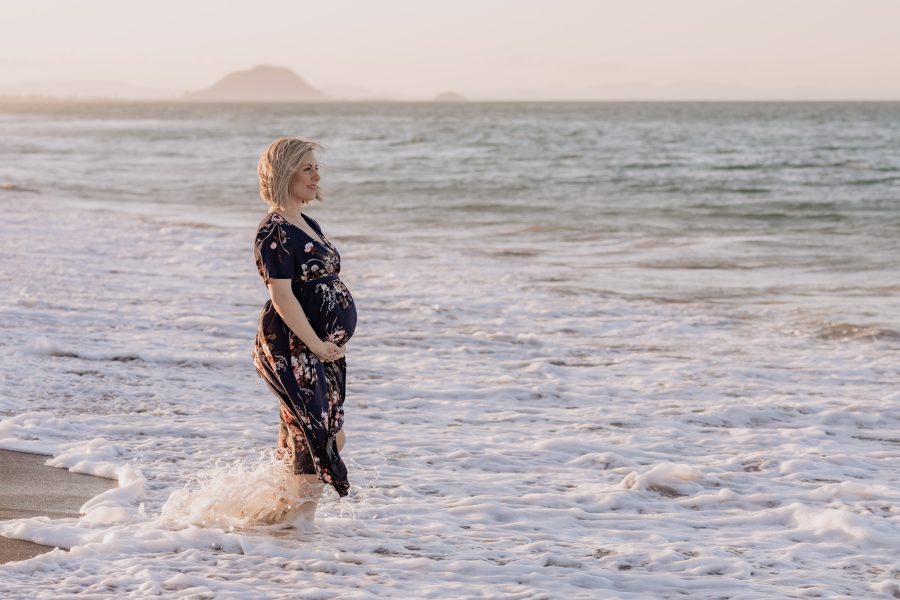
x,y
449,97
262,83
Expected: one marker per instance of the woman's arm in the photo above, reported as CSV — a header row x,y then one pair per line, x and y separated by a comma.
x,y
292,314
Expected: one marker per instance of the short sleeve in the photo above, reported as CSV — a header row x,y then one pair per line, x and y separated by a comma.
x,y
274,257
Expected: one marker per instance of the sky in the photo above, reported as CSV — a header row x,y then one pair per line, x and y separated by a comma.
x,y
482,49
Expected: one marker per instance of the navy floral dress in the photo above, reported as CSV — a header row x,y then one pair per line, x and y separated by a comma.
x,y
311,392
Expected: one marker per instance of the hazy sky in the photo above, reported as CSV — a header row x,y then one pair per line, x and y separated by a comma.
x,y
539,49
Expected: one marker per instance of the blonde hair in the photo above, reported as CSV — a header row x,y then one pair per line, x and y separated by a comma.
x,y
277,166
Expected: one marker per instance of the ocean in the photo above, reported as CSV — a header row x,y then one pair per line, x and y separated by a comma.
x,y
604,349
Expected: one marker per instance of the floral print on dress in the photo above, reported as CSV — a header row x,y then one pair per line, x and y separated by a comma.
x,y
311,392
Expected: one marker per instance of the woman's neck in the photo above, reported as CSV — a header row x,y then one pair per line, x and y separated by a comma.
x,y
290,213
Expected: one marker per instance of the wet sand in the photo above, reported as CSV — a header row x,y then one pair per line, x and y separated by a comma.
x,y
28,488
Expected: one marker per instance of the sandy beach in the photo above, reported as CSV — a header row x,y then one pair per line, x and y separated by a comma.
x,y
32,489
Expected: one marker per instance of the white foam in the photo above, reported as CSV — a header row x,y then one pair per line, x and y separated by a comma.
x,y
666,478
505,433
236,496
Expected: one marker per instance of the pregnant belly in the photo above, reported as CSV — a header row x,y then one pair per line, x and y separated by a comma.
x,y
329,307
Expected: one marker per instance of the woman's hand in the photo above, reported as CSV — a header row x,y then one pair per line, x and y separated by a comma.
x,y
328,351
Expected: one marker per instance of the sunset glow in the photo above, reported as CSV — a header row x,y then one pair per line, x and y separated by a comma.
x,y
533,49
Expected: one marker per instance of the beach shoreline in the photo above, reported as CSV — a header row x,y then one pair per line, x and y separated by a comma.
x,y
655,368
33,489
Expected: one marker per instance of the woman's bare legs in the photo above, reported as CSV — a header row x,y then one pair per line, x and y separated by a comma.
x,y
310,488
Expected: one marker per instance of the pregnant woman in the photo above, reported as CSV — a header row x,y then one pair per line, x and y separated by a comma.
x,y
303,327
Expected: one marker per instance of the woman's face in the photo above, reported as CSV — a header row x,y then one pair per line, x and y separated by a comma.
x,y
306,180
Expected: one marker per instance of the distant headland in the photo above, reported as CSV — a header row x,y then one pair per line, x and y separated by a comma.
x,y
449,97
262,83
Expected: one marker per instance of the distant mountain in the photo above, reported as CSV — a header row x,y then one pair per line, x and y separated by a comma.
x,y
262,83
85,90
449,97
